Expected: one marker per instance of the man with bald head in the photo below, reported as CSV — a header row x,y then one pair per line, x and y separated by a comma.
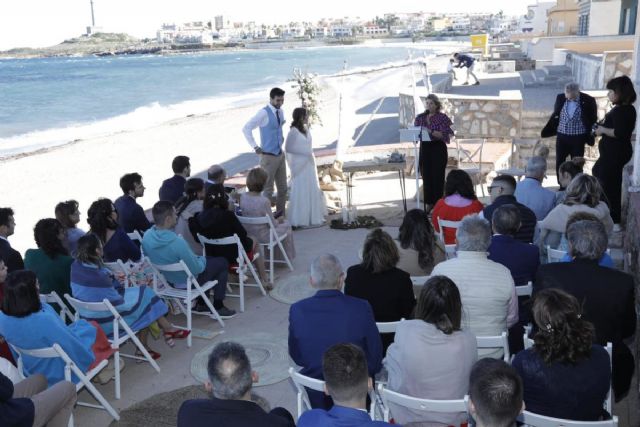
x,y
327,318
530,191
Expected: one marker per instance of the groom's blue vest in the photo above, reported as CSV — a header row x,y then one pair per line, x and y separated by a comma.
x,y
271,135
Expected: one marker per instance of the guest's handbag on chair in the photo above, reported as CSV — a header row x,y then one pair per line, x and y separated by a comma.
x,y
551,128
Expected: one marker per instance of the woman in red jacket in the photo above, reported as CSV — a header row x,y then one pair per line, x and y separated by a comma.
x,y
459,201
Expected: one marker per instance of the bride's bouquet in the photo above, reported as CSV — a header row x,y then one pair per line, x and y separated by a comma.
x,y
309,93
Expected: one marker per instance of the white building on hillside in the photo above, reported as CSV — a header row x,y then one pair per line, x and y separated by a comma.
x,y
535,21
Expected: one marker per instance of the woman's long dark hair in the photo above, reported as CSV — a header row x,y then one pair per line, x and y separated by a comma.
x,y
563,335
458,181
416,233
191,189
216,198
439,303
87,247
64,210
379,252
99,218
47,236
299,115
21,296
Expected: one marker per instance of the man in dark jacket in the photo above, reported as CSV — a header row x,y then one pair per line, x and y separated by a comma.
x,y
469,62
12,258
230,380
607,295
173,188
131,216
574,115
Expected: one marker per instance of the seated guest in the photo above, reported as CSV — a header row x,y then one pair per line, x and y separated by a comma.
x,y
131,216
486,287
217,221
230,380
607,295
116,244
583,195
605,261
186,207
5,351
522,259
27,323
501,192
91,281
163,246
30,403
327,318
425,346
376,279
68,215
530,191
215,175
344,367
418,248
172,188
12,258
254,204
495,394
564,374
51,261
566,172
459,201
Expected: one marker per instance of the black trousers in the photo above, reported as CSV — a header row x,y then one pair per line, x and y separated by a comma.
x,y
608,170
569,145
433,162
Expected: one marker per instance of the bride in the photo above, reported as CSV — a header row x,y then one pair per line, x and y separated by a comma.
x,y
306,201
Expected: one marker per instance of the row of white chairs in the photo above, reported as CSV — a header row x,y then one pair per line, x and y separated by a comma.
x,y
380,408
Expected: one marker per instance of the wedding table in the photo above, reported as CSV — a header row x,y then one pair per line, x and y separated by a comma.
x,y
349,168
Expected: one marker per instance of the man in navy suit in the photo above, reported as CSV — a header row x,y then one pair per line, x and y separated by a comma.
x,y
12,258
347,381
131,216
173,188
522,260
327,318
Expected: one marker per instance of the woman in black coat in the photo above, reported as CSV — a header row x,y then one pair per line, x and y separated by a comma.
x,y
615,144
388,289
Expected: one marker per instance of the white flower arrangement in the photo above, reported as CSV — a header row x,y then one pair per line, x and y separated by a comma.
x,y
309,93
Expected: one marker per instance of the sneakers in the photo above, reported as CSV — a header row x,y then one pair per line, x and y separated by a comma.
x,y
225,312
465,83
476,83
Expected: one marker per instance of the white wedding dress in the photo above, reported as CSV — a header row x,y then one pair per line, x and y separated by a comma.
x,y
307,206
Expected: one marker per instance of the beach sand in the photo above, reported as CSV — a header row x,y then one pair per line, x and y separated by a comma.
x,y
88,169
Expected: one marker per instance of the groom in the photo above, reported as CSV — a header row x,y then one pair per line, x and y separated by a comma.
x,y
270,120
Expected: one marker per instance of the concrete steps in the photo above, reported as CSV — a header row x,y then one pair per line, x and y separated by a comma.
x,y
547,76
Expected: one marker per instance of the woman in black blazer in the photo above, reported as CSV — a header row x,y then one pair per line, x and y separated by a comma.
x,y
388,289
615,144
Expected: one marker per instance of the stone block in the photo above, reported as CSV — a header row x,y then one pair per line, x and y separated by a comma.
x,y
489,107
475,127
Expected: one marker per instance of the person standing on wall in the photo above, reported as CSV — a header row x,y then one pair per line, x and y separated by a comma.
x,y
270,120
574,115
433,150
615,145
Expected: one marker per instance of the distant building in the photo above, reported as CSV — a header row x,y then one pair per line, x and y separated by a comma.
x,y
341,31
320,32
373,31
597,17
535,21
440,24
562,19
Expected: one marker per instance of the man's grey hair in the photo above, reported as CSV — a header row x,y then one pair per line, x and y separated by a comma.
x,y
326,271
229,371
587,240
473,234
572,87
216,173
536,166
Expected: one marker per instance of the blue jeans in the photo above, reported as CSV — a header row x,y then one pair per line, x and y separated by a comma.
x,y
216,268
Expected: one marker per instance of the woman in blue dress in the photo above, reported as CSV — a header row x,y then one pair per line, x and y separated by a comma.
x,y
28,324
139,306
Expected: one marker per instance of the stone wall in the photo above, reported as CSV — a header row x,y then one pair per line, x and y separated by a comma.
x,y
497,66
616,63
585,69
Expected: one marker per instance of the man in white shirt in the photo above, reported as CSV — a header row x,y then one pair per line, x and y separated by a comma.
x,y
270,120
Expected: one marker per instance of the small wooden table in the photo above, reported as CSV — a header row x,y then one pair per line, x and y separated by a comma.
x,y
349,168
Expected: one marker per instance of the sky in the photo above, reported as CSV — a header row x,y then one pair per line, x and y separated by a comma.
x,y
37,23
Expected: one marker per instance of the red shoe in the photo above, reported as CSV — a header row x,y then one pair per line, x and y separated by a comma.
x,y
178,334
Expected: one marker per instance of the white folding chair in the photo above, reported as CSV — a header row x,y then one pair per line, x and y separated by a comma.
x,y
122,333
415,403
135,235
450,249
243,261
301,381
185,297
524,290
534,420
388,327
54,298
475,168
55,352
496,341
119,267
275,239
554,255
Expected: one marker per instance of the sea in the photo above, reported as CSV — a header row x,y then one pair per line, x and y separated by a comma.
x,y
45,102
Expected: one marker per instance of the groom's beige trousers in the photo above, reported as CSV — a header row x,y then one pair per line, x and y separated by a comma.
x,y
276,168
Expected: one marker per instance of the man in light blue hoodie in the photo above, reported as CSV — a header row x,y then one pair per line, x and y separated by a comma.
x,y
163,246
